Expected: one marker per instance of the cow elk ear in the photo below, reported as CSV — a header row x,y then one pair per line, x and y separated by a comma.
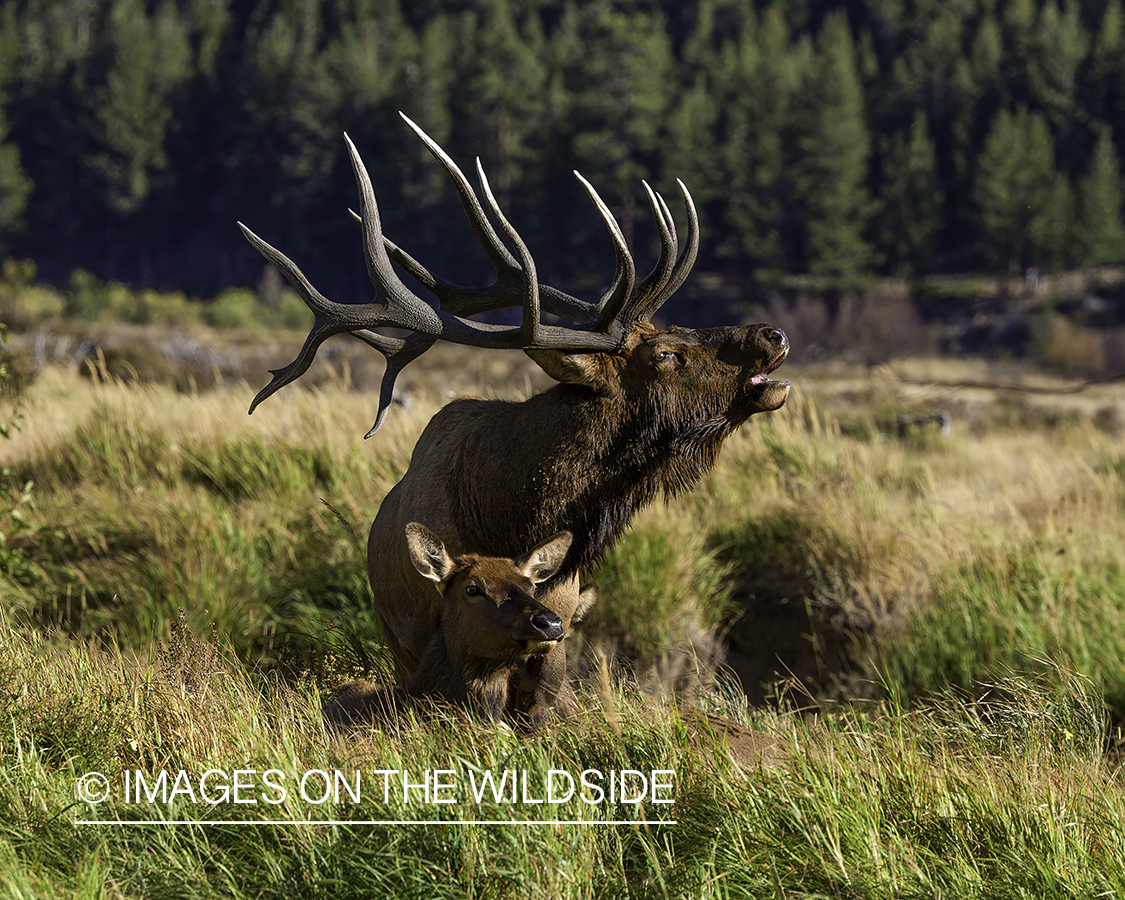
x,y
587,597
589,369
428,553
543,560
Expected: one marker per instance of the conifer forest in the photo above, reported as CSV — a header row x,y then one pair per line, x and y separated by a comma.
x,y
840,140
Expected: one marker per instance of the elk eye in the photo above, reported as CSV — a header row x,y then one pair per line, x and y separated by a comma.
x,y
668,356
473,590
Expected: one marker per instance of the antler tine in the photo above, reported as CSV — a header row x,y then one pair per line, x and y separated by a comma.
x,y
324,326
602,326
684,262
509,287
506,291
497,253
530,327
464,301
408,350
656,280
401,306
626,276
641,301
415,269
395,304
668,220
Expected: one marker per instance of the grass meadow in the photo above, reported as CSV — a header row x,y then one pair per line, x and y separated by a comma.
x,y
931,627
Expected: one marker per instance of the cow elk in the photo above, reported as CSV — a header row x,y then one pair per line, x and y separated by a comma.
x,y
639,409
490,632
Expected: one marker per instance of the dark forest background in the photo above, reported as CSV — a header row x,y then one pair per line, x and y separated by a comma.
x,y
835,139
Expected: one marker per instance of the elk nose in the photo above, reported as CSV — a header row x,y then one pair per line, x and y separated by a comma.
x,y
775,337
549,625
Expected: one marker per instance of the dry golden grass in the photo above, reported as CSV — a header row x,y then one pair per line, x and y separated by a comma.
x,y
821,524
923,561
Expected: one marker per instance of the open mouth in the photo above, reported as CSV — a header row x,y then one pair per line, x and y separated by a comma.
x,y
761,378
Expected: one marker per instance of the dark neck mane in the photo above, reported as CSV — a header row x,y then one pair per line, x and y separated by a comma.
x,y
597,465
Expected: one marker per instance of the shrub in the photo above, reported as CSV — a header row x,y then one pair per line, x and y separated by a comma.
x,y
22,303
234,308
1069,348
242,308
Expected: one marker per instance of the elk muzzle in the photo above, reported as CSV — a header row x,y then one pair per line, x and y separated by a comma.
x,y
540,632
756,350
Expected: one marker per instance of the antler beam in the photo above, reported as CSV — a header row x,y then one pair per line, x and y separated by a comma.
x,y
602,326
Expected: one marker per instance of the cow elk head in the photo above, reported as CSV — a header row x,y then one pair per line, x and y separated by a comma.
x,y
489,608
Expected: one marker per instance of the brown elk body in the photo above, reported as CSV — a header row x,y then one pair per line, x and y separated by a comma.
x,y
585,455
639,411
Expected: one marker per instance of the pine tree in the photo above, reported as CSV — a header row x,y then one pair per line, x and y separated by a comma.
x,y
282,150
610,71
1051,231
1100,233
962,115
15,186
148,61
1016,189
761,72
833,145
499,103
691,148
1017,22
910,200
1102,91
1060,48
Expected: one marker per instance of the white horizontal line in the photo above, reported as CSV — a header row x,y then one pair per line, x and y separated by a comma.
x,y
373,822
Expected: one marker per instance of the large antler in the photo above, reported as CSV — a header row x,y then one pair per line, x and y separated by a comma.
x,y
602,325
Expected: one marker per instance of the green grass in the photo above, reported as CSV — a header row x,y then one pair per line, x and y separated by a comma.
x,y
1001,794
148,501
1015,609
969,592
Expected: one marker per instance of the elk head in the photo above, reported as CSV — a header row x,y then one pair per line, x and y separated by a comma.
x,y
612,349
489,609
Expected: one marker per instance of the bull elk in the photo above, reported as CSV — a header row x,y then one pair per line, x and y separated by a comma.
x,y
638,410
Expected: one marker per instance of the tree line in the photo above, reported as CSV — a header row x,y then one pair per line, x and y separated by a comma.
x,y
821,137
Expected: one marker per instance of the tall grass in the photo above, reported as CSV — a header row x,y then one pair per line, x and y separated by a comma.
x,y
822,544
1001,793
962,597
151,501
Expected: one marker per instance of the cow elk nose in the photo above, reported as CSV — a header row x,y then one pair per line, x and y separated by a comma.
x,y
549,625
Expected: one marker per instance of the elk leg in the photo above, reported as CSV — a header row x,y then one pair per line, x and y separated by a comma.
x,y
406,664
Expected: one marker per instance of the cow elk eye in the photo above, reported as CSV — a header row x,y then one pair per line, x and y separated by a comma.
x,y
669,356
473,590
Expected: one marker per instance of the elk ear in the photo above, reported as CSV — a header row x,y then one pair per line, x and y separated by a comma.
x,y
589,369
587,597
428,553
543,560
